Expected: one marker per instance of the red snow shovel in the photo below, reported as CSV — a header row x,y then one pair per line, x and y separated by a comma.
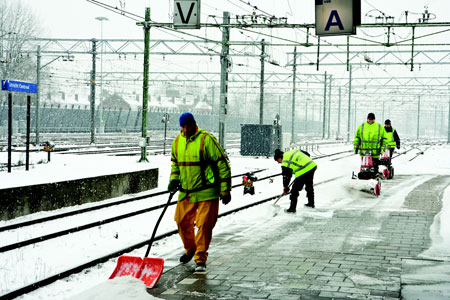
x,y
149,269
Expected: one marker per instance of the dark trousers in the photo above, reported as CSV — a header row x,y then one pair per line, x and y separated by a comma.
x,y
391,151
376,163
306,180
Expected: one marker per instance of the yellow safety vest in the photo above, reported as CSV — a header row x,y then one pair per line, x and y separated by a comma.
x,y
201,165
370,137
390,139
299,162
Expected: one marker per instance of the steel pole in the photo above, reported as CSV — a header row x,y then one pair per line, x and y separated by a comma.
x,y
10,130
448,122
418,118
27,143
38,93
324,118
224,64
329,107
349,102
294,88
338,132
261,85
94,56
145,85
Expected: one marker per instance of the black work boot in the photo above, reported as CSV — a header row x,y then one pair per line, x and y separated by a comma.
x,y
185,258
310,203
292,207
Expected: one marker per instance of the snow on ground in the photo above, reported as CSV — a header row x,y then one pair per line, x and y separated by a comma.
x,y
124,288
28,264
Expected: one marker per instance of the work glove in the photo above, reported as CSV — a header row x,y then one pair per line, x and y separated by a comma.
x,y
286,190
398,146
225,197
356,150
174,185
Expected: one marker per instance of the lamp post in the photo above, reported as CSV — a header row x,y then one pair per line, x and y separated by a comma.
x,y
100,107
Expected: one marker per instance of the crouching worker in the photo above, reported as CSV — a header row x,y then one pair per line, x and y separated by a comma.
x,y
299,163
201,171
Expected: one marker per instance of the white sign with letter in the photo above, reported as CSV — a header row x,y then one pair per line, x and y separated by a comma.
x,y
186,14
336,17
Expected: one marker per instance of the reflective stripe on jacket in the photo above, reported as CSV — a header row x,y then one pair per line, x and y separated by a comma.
x,y
201,165
299,162
390,139
370,137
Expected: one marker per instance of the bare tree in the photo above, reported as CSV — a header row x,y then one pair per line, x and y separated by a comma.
x,y
17,23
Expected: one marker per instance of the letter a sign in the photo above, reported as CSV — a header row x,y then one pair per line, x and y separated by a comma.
x,y
337,17
186,14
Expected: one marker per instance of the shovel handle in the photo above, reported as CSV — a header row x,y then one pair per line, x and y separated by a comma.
x,y
159,221
279,197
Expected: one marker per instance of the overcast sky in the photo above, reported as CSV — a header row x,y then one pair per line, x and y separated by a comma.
x,y
76,18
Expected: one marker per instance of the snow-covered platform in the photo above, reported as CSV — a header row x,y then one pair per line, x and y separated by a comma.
x,y
363,251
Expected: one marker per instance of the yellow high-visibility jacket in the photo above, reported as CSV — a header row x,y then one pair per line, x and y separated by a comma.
x,y
370,137
390,139
299,162
201,165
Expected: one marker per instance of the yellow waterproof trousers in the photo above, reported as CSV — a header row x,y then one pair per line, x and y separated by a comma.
x,y
204,214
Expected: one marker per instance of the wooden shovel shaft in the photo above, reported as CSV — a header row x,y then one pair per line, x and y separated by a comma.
x,y
279,197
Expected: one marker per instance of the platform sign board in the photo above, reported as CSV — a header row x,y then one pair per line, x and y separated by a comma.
x,y
337,17
186,14
19,86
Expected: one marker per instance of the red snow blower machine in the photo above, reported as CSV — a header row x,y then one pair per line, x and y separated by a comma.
x,y
385,160
367,177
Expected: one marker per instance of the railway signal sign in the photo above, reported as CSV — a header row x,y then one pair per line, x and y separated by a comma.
x,y
186,14
337,17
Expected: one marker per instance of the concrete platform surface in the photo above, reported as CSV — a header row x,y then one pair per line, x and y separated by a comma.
x,y
358,251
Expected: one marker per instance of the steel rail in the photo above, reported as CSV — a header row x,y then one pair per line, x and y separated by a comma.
x,y
88,209
43,238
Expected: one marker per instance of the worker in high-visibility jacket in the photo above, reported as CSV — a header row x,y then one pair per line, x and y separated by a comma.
x,y
201,171
370,139
393,140
299,163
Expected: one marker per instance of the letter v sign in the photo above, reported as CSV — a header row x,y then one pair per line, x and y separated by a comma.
x,y
180,11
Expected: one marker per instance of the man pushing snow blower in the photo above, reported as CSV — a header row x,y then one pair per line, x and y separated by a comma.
x,y
370,141
393,140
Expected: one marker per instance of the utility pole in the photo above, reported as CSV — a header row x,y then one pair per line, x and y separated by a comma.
x,y
306,116
224,63
38,93
320,113
338,132
448,122
279,105
294,88
145,85
100,107
349,101
261,85
324,119
435,118
329,106
418,117
94,56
